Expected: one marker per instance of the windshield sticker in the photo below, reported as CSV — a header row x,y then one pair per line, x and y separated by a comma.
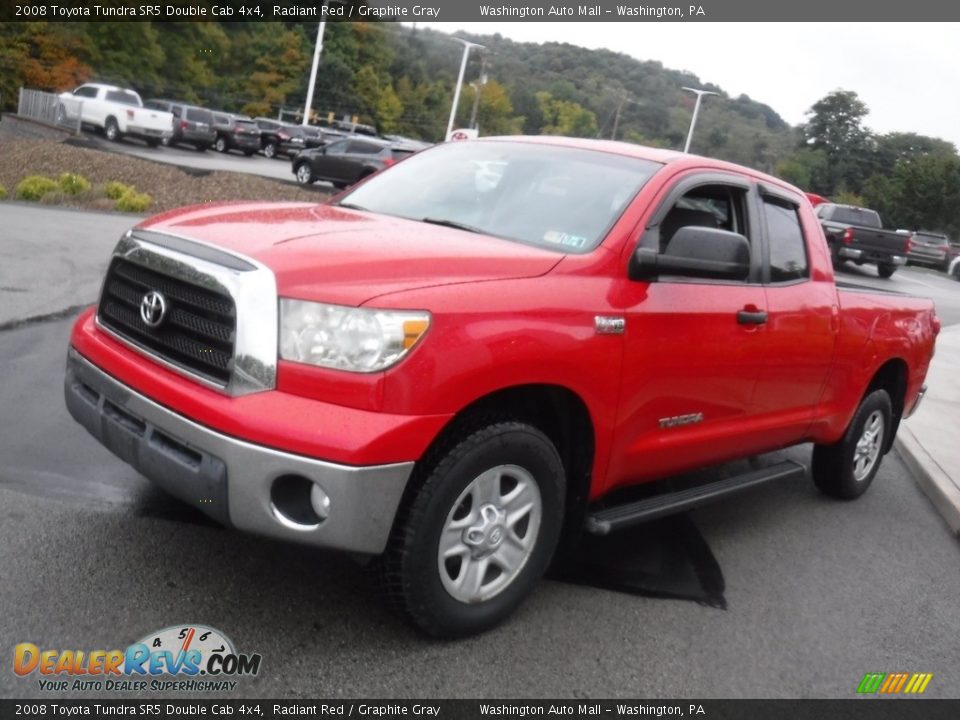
x,y
555,237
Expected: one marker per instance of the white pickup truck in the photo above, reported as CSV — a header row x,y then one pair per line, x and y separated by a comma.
x,y
117,112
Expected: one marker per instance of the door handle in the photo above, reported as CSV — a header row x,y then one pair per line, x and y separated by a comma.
x,y
752,317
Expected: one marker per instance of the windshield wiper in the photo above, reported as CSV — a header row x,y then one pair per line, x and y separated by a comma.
x,y
452,224
351,206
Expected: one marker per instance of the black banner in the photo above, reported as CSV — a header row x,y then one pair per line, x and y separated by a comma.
x,y
476,11
858,709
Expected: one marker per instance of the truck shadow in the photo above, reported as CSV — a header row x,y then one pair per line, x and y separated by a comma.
x,y
666,558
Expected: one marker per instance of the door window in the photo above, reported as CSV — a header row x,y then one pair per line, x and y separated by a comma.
x,y
788,250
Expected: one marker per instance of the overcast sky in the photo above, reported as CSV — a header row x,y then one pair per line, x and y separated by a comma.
x,y
908,74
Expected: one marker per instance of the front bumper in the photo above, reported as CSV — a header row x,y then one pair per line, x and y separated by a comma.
x,y
231,480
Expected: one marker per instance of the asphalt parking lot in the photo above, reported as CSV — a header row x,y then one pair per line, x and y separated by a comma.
x,y
818,592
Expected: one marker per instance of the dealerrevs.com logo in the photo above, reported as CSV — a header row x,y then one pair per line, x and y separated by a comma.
x,y
182,658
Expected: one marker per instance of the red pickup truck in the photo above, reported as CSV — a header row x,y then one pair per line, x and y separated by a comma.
x,y
472,356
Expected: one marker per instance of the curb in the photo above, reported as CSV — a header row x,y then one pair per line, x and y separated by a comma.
x,y
931,478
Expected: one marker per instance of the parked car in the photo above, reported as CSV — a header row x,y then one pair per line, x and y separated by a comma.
x,y
236,132
857,234
277,138
118,112
192,125
347,161
930,249
352,128
313,136
456,382
954,269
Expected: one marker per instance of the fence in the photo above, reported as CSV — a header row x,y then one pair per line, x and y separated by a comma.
x,y
51,109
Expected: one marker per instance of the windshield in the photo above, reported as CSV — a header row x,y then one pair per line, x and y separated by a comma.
x,y
555,197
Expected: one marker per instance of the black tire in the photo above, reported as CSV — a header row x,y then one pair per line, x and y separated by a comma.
x,y
270,150
112,131
167,141
304,173
885,271
835,469
221,145
410,572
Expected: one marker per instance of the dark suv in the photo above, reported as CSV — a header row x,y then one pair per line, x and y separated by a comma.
x,y
236,132
277,138
192,125
346,161
929,248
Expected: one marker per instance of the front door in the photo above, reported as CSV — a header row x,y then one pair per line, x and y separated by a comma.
x,y
692,346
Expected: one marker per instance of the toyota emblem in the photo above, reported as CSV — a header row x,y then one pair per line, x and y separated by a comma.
x,y
153,309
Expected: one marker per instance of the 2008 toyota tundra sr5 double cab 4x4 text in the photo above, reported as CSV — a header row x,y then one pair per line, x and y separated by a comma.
x,y
455,364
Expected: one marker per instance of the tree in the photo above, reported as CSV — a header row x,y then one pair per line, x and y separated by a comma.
x,y
836,128
564,117
495,111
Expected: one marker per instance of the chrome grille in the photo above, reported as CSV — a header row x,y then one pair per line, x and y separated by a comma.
x,y
198,331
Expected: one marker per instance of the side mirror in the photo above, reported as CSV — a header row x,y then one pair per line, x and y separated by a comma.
x,y
699,252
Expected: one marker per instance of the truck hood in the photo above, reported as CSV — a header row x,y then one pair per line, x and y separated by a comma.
x,y
336,255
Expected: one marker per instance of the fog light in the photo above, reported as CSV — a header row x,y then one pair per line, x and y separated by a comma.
x,y
298,502
320,502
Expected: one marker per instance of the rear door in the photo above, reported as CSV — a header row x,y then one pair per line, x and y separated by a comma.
x,y
801,327
692,346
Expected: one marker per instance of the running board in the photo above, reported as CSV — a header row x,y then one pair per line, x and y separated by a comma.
x,y
608,520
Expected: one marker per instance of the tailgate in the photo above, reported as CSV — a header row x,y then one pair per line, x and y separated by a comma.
x,y
153,119
884,241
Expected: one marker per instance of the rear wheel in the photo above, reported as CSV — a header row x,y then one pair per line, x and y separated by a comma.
x,y
167,141
112,130
884,270
270,150
221,144
846,468
480,531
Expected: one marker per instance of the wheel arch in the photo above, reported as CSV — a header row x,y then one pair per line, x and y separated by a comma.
x,y
558,412
892,376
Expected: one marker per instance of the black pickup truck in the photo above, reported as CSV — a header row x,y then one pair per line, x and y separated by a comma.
x,y
856,234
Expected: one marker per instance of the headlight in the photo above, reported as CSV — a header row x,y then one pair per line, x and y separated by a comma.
x,y
347,338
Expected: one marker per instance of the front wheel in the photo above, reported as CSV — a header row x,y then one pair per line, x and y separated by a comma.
x,y
480,531
270,150
304,174
846,468
221,145
885,270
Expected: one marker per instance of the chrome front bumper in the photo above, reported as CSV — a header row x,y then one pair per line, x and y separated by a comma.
x,y
230,480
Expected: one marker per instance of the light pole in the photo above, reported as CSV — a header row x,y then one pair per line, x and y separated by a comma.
x,y
463,67
317,49
696,111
